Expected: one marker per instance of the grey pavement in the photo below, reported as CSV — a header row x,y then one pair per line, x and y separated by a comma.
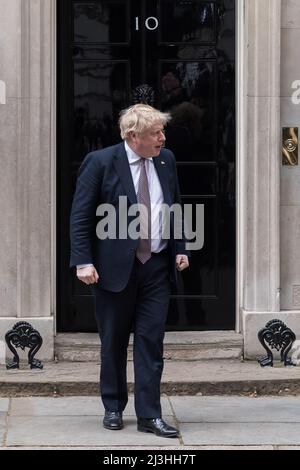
x,y
205,422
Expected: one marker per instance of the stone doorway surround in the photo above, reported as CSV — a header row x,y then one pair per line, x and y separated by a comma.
x,y
28,184
258,176
27,180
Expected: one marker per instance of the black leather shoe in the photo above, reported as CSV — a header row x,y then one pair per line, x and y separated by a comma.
x,y
157,426
113,420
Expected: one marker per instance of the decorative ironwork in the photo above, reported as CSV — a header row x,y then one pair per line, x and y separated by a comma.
x,y
23,335
278,336
143,94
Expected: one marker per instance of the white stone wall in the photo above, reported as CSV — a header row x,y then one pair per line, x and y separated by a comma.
x,y
273,290
25,175
290,176
261,201
9,149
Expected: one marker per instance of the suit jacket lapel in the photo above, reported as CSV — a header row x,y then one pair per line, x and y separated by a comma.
x,y
122,168
162,169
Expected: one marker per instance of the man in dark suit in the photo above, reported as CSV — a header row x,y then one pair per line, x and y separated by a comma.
x,y
130,276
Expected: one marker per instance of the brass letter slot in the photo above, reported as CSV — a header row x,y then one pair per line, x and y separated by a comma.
x,y
290,146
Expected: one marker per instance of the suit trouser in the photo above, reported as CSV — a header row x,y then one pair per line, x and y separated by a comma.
x,y
141,307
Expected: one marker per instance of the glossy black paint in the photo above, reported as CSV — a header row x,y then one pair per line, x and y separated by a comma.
x,y
105,52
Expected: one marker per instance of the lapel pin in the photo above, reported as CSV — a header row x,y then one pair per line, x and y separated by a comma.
x,y
162,162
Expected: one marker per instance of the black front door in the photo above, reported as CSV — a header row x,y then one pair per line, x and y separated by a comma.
x,y
179,56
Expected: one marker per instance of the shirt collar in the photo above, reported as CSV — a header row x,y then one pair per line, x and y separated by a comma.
x,y
132,156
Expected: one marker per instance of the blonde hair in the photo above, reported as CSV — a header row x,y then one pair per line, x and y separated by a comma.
x,y
139,118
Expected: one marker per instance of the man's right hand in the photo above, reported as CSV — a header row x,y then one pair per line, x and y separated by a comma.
x,y
87,275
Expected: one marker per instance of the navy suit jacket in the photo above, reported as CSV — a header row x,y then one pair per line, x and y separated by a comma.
x,y
104,176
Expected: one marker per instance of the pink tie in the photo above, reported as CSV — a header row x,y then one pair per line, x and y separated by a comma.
x,y
143,197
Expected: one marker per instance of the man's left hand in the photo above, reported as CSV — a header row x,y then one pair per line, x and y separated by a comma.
x,y
182,262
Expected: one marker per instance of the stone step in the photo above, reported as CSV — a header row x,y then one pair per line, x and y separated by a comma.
x,y
178,346
204,377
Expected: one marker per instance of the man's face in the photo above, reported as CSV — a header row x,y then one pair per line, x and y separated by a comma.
x,y
150,142
170,82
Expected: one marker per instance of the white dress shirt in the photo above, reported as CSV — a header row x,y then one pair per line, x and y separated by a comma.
x,y
156,196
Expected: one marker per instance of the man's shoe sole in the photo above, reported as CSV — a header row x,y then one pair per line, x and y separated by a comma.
x,y
143,429
113,428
